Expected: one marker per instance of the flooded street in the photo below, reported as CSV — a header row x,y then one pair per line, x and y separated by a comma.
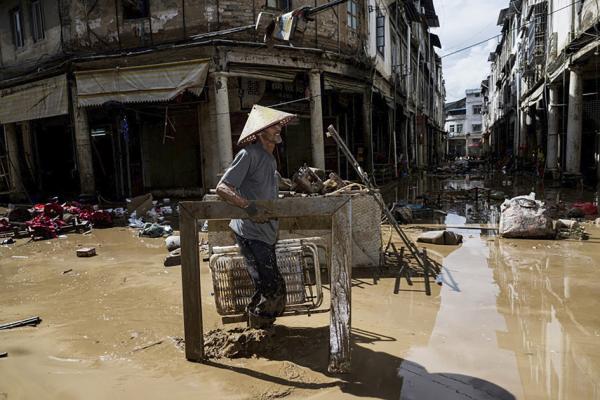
x,y
513,319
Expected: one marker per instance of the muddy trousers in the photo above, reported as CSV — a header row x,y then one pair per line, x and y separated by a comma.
x,y
268,302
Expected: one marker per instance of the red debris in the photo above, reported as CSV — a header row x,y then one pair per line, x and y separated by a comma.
x,y
588,208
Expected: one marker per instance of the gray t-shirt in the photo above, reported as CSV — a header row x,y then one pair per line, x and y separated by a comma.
x,y
253,173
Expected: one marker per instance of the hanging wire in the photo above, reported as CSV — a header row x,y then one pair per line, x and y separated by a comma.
x,y
501,34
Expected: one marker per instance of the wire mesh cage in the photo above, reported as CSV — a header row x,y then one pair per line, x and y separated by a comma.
x,y
233,287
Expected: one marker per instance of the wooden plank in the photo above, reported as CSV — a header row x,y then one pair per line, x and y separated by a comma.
x,y
341,262
190,281
281,208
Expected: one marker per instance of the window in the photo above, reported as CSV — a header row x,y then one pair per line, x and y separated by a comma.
x,y
459,128
37,20
476,109
16,23
476,127
380,32
395,58
135,9
452,128
352,14
285,5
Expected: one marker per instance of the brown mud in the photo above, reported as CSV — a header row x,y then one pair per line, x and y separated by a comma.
x,y
512,319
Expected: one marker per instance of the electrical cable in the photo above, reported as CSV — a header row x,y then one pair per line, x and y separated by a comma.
x,y
508,31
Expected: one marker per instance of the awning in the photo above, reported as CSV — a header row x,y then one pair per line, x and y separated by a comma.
x,y
342,85
40,99
534,96
147,83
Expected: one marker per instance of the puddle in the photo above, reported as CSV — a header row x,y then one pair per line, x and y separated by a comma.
x,y
517,319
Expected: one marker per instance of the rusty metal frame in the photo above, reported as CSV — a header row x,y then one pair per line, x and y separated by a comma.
x,y
339,208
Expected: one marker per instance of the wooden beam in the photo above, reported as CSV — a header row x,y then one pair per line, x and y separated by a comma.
x,y
341,284
281,208
190,281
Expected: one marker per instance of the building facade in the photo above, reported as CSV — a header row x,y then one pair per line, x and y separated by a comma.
x,y
542,96
464,125
125,97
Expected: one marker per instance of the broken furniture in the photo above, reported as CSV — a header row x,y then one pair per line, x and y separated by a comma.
x,y
338,208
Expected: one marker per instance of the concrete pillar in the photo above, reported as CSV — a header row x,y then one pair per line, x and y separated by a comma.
x,y
553,127
27,135
12,153
521,134
207,126
466,146
83,146
367,131
574,123
223,136
316,120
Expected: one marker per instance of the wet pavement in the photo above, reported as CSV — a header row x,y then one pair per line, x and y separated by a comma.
x,y
513,319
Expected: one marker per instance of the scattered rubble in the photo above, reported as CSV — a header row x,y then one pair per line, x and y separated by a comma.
x,y
234,343
86,252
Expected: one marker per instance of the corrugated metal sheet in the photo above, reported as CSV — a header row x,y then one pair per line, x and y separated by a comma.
x,y
148,83
40,99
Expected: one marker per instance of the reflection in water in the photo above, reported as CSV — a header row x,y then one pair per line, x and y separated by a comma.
x,y
464,338
550,307
524,319
518,315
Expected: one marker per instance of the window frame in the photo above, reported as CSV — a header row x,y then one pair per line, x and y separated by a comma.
x,y
475,107
459,128
380,32
283,5
476,128
18,36
38,28
352,14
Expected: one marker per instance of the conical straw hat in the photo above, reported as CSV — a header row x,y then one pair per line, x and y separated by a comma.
x,y
260,119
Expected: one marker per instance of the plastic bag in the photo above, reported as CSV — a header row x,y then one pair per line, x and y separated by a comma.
x,y
525,217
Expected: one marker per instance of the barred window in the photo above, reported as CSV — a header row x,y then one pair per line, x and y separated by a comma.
x,y
380,33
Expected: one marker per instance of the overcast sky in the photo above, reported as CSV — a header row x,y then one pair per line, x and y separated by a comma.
x,y
462,23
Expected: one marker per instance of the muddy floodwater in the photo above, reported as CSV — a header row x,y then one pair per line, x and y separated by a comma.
x,y
513,319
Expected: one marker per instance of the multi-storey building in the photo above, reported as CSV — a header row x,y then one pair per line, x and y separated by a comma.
x,y
556,81
464,125
123,97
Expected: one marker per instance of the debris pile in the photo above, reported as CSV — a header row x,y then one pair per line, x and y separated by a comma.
x,y
52,219
313,181
49,220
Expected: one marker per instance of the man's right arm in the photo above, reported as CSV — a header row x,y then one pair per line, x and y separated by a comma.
x,y
231,196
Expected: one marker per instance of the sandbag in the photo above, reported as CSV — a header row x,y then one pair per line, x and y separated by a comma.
x,y
440,237
525,217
